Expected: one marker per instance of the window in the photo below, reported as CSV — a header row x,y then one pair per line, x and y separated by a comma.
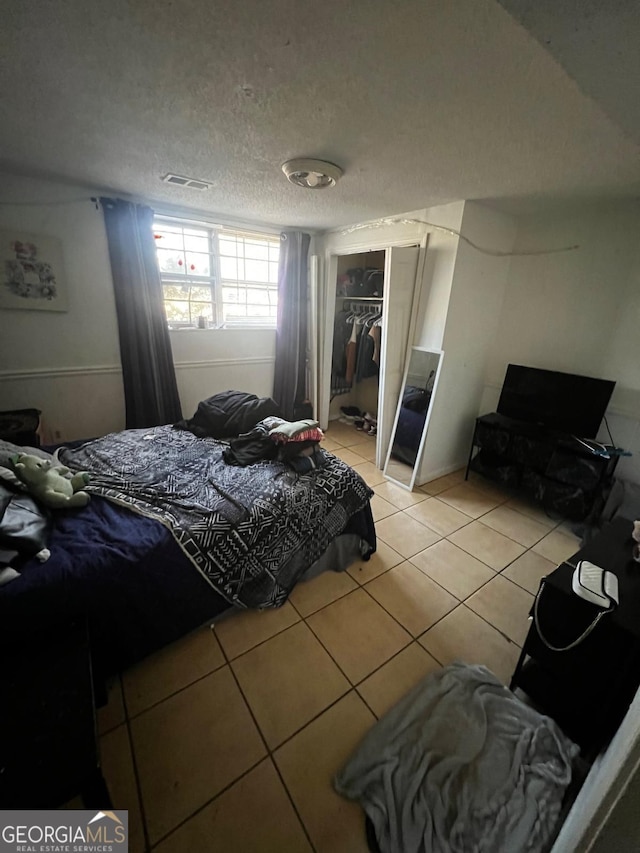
x,y
228,278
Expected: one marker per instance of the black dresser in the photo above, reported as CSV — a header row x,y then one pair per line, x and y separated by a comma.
x,y
587,689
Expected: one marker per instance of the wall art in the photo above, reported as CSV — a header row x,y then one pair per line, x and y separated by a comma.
x,y
31,272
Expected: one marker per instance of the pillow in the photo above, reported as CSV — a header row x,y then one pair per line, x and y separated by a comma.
x,y
8,450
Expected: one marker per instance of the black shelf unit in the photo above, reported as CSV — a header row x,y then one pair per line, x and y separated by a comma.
x,y
556,470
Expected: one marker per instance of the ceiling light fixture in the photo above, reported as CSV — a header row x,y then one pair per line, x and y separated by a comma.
x,y
312,174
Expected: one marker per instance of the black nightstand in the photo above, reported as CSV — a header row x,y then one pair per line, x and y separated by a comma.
x,y
48,744
587,689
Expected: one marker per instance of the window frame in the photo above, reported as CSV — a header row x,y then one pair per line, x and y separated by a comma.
x,y
215,280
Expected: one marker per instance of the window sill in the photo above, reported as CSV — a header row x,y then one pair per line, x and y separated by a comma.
x,y
223,329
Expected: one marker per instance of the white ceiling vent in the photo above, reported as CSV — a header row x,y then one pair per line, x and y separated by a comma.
x,y
182,181
312,174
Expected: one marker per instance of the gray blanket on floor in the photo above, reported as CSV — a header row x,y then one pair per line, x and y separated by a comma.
x,y
460,765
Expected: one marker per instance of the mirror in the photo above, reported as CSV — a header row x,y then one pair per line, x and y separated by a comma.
x,y
412,416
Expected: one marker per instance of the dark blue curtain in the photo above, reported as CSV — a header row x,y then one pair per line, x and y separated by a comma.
x,y
150,389
289,389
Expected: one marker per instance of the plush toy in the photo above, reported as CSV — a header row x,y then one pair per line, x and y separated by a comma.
x,y
51,484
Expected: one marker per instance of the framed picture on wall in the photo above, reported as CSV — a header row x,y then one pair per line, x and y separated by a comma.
x,y
31,272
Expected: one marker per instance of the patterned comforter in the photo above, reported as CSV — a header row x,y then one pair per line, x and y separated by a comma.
x,y
252,532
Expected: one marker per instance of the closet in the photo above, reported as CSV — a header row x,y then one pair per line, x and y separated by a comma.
x,y
368,310
357,335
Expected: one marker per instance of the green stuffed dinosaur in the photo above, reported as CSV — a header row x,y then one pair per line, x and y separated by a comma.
x,y
49,483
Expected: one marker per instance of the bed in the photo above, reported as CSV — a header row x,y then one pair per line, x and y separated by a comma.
x,y
174,536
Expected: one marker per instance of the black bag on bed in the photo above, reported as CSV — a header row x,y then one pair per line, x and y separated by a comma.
x,y
229,414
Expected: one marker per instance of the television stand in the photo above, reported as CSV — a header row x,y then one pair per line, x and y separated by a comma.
x,y
566,475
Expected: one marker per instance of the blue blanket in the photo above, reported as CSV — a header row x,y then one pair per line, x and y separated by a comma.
x,y
252,532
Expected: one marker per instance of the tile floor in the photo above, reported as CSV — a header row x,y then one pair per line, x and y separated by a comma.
x,y
228,739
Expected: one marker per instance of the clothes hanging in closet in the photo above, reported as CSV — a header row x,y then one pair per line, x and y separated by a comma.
x,y
356,350
366,365
352,351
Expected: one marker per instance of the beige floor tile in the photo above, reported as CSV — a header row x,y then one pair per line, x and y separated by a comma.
x,y
117,767
190,747
358,634
454,569
385,558
308,763
344,434
370,473
464,636
494,491
288,680
494,549
441,484
533,511
242,630
405,535
416,601
111,714
388,685
569,527
505,605
309,596
402,498
469,500
515,525
330,444
439,516
223,825
348,456
527,570
366,448
557,546
380,508
171,669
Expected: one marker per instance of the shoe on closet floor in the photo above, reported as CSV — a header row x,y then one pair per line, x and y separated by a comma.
x,y
351,411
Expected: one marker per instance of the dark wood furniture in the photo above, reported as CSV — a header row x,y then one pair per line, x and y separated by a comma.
x,y
587,689
48,743
568,476
20,426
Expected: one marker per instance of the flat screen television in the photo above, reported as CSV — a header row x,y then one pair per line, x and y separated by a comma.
x,y
564,402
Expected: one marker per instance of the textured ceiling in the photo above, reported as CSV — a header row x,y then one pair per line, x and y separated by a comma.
x,y
597,42
420,101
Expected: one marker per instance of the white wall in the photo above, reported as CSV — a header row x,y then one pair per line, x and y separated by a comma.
x,y
437,277
476,291
68,364
577,311
211,360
